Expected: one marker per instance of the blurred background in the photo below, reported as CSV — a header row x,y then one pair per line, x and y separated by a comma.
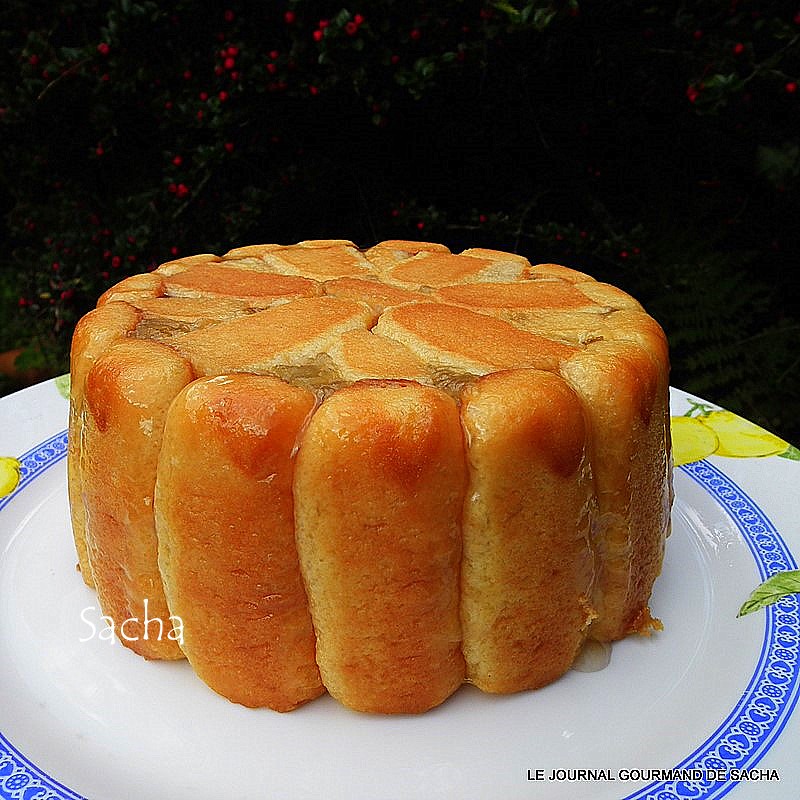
x,y
655,146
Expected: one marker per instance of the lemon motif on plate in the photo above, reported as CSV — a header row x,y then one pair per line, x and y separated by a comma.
x,y
9,475
691,440
705,430
740,438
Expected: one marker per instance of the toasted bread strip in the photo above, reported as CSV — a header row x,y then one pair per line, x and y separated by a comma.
x,y
128,392
364,354
94,334
379,486
385,255
452,337
528,565
292,335
623,389
441,269
225,523
223,279
376,295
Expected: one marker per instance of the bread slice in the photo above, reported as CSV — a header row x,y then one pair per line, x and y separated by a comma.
x,y
379,487
225,523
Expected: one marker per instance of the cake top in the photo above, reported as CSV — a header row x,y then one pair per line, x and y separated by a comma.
x,y
324,313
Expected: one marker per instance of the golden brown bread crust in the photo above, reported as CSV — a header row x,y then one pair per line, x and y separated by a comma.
x,y
127,394
225,522
531,394
625,393
528,570
94,334
383,573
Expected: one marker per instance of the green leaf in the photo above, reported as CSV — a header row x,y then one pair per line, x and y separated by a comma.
x,y
778,164
509,10
542,18
772,590
342,18
724,82
791,452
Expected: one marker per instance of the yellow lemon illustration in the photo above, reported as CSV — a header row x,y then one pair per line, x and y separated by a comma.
x,y
740,438
9,475
691,440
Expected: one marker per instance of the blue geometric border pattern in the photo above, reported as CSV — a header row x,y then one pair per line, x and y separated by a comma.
x,y
19,778
37,460
758,718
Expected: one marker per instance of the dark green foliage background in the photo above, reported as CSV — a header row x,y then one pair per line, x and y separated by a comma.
x,y
654,146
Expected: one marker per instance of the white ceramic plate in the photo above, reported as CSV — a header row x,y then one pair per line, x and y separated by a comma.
x,y
712,692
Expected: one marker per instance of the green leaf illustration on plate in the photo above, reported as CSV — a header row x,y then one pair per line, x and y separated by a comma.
x,y
772,590
791,452
62,384
9,475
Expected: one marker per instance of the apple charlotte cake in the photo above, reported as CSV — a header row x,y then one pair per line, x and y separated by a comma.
x,y
377,473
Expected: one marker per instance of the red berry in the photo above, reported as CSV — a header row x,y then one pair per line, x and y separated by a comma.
x,y
223,96
182,190
738,49
351,29
115,261
791,87
187,74
229,146
358,19
229,63
415,34
228,16
177,161
103,49
273,54
318,34
289,17
204,96
232,51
